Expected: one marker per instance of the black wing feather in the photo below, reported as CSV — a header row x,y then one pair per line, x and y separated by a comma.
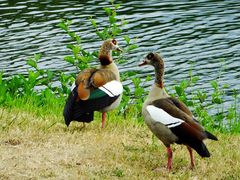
x,y
83,111
186,134
186,137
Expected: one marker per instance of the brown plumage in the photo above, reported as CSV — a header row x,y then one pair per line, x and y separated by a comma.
x,y
91,78
170,119
89,81
82,81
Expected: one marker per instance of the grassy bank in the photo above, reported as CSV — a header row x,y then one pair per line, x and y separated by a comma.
x,y
33,147
35,143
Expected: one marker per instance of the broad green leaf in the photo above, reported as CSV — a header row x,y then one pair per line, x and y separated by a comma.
x,y
68,22
32,77
132,47
94,23
100,35
70,46
195,79
50,74
76,49
72,35
116,30
117,6
83,59
114,13
216,100
139,92
108,11
148,78
1,79
63,26
41,71
178,90
126,88
136,81
201,96
184,84
32,63
131,73
78,39
127,39
95,53
69,59
214,84
37,57
112,19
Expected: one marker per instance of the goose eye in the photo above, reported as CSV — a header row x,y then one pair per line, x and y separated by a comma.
x,y
150,55
114,42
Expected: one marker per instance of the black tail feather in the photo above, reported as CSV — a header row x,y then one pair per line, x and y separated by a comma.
x,y
201,149
211,136
83,111
73,111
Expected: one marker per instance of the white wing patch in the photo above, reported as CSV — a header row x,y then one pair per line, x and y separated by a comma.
x,y
159,115
112,88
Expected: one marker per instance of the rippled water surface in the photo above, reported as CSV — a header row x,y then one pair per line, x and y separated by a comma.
x,y
201,35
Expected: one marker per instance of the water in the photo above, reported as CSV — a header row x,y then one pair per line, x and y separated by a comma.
x,y
200,35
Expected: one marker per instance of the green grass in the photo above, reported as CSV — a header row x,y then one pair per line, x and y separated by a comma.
x,y
33,146
18,91
36,144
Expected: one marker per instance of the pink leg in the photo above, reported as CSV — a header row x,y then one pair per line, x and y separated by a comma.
x,y
170,154
103,119
191,156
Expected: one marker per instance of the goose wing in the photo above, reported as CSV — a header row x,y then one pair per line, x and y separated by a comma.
x,y
89,80
180,123
93,90
165,112
179,110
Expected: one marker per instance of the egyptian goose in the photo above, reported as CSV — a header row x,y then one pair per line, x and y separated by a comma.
x,y
95,89
170,119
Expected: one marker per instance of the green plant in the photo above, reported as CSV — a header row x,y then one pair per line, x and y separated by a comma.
x,y
82,59
35,91
234,114
212,114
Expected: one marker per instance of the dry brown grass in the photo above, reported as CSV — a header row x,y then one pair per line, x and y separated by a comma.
x,y
37,148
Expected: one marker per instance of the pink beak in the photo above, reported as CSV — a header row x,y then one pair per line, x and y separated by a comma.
x,y
143,63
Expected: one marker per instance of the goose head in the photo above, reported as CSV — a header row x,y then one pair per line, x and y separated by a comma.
x,y
153,59
105,53
157,62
